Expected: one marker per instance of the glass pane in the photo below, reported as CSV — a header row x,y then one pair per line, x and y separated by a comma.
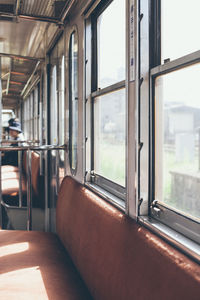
x,y
111,44
180,25
73,100
109,126
31,136
36,113
54,115
177,130
62,107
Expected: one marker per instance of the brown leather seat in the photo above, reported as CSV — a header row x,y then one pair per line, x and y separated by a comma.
x,y
10,181
117,258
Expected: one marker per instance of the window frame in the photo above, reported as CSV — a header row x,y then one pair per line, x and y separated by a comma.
x,y
36,112
54,102
92,177
162,212
159,211
61,121
75,32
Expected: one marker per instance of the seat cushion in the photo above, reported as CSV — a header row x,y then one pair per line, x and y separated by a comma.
x,y
10,181
35,169
9,168
34,265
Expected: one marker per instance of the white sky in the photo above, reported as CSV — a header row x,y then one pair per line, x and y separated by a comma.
x,y
182,86
180,36
180,27
112,41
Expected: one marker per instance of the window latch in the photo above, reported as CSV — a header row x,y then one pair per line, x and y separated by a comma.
x,y
92,176
155,209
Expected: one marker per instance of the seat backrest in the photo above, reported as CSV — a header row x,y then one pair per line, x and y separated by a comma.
x,y
117,258
35,170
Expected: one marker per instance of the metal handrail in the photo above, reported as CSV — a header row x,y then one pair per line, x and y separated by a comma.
x,y
20,177
37,148
10,141
29,179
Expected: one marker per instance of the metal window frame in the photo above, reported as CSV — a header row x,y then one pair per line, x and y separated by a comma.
x,y
176,64
173,218
61,92
158,210
75,32
148,52
143,50
92,176
109,185
53,101
109,89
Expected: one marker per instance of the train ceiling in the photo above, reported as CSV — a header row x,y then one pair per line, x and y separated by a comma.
x,y
28,29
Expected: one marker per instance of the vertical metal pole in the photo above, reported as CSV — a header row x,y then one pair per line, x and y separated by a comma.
x,y
46,192
57,171
20,177
47,154
41,125
29,191
58,84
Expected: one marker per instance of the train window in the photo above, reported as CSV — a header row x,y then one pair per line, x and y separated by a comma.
x,y
31,99
62,106
109,138
36,114
73,100
54,115
31,115
25,118
108,98
111,51
176,130
44,112
179,37
178,139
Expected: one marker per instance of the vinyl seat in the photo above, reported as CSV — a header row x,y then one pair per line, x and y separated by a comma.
x,y
115,257
11,186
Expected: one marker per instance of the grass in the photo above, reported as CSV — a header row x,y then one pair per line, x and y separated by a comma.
x,y
111,161
181,200
171,164
111,164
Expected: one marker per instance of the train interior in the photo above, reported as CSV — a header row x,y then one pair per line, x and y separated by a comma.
x,y
100,180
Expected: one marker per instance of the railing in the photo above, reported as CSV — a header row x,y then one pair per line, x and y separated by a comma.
x,y
28,150
27,142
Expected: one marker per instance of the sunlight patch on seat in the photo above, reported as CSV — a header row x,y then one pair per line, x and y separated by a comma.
x,y
24,283
13,249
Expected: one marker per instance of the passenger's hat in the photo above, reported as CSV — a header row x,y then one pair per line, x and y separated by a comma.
x,y
15,126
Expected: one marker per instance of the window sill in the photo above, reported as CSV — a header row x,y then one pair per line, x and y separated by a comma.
x,y
119,203
174,238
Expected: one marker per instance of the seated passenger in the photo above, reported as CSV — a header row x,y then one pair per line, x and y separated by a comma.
x,y
20,135
15,132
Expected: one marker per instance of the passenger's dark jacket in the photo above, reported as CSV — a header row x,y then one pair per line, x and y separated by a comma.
x,y
11,157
